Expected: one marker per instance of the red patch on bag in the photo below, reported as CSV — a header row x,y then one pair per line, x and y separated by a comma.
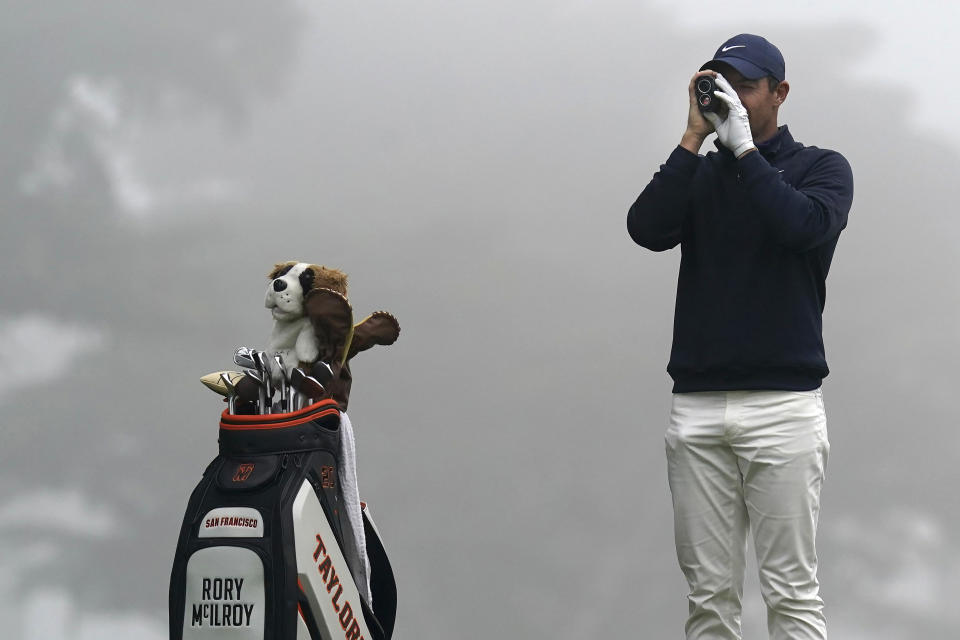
x,y
327,477
243,472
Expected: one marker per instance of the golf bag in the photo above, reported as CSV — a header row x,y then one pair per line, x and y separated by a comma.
x,y
266,550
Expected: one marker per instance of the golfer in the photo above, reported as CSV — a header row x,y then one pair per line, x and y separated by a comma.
x,y
757,221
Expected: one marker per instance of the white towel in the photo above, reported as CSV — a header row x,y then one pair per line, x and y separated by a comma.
x,y
351,498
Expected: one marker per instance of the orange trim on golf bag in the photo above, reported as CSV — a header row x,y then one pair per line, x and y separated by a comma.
x,y
320,409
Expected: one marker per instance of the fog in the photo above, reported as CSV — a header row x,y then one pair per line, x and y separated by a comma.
x,y
470,168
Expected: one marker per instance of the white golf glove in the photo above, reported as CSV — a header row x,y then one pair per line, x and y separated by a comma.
x,y
734,130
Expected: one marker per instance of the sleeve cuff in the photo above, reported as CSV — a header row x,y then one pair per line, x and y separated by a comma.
x,y
683,161
753,165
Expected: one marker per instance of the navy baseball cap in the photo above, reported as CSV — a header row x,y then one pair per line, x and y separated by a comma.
x,y
752,56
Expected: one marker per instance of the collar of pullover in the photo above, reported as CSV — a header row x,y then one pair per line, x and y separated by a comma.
x,y
768,148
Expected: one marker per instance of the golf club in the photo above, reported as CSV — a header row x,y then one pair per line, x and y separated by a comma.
x,y
231,391
213,382
296,379
248,392
243,358
322,372
284,388
266,394
312,389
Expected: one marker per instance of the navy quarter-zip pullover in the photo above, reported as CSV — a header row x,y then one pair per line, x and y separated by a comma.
x,y
757,236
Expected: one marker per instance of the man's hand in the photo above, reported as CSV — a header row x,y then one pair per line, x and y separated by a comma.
x,y
734,129
698,128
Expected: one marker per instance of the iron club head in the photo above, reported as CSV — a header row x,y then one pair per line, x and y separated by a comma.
x,y
243,358
297,377
311,388
263,368
231,390
248,390
322,372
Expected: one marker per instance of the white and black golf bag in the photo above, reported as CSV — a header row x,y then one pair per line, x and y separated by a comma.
x,y
266,550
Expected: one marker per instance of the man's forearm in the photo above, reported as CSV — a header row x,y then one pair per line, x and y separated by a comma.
x,y
692,142
656,218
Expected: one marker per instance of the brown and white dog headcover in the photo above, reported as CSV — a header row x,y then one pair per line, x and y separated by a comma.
x,y
313,321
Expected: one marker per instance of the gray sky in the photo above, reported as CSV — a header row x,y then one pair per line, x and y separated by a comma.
x,y
470,167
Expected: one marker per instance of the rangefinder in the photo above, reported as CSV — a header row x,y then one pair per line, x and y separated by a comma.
x,y
704,88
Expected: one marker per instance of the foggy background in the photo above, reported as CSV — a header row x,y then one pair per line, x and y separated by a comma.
x,y
470,166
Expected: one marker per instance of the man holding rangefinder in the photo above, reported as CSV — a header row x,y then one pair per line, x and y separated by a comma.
x,y
757,221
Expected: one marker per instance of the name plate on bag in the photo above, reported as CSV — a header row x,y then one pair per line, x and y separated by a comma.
x,y
224,595
231,522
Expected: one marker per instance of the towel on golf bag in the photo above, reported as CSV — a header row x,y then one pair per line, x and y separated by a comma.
x,y
267,549
351,498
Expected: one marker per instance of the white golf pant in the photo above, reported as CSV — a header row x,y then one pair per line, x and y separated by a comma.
x,y
748,458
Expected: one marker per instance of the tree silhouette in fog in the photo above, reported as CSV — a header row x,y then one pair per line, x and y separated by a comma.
x,y
64,240
206,55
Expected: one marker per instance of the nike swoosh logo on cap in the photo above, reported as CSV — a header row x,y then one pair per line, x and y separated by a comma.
x,y
725,49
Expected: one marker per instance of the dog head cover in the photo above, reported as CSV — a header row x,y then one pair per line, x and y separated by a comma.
x,y
313,320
